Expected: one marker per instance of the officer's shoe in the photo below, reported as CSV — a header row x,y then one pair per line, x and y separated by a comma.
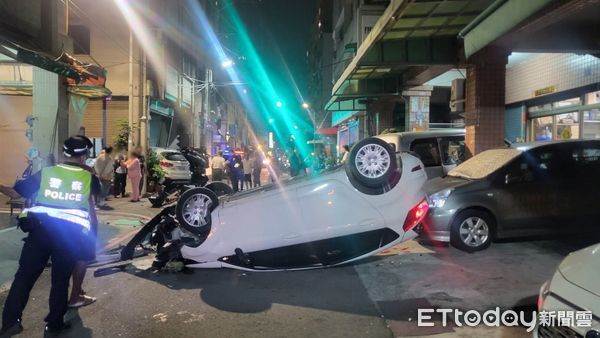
x,y
11,330
53,330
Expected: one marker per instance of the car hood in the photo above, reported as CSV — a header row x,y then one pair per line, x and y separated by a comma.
x,y
582,268
441,183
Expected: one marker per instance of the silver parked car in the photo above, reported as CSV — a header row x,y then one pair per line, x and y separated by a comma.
x,y
174,164
440,150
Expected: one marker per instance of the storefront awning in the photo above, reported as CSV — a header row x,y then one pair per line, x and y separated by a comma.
x,y
411,43
327,131
496,21
83,79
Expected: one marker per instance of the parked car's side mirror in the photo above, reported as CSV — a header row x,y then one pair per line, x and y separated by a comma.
x,y
511,178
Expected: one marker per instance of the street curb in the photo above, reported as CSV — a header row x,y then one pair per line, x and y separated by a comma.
x,y
113,242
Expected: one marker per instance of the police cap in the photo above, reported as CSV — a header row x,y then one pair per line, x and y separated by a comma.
x,y
77,146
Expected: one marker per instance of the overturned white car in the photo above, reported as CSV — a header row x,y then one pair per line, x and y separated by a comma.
x,y
332,218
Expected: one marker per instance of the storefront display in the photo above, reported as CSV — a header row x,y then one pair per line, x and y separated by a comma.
x,y
573,118
591,124
161,119
567,126
542,128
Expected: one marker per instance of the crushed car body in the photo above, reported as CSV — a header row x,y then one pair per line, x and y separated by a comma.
x,y
354,211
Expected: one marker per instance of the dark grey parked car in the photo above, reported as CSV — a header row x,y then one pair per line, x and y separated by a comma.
x,y
526,190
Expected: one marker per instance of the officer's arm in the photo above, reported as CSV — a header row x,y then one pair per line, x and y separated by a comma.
x,y
95,189
92,213
8,191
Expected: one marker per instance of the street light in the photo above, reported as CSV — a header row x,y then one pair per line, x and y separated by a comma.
x,y
279,104
227,63
305,105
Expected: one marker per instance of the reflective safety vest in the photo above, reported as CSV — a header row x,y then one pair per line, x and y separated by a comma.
x,y
64,194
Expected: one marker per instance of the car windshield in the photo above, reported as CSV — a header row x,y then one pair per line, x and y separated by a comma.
x,y
485,163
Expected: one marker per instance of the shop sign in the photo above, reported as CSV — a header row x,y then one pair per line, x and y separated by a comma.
x,y
544,91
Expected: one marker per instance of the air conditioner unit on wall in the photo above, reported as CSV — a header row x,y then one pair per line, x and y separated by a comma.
x,y
457,96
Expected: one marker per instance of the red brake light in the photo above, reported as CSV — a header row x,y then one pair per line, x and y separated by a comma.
x,y
166,164
416,215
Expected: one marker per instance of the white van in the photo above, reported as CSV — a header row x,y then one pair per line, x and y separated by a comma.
x,y
440,150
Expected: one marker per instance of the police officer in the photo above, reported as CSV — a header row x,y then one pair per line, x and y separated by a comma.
x,y
58,223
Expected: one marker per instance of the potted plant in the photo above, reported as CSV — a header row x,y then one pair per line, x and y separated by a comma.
x,y
155,171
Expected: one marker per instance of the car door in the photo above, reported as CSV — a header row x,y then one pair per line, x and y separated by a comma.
x,y
452,152
580,193
429,152
335,218
527,193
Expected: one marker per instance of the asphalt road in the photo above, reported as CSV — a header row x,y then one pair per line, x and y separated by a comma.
x,y
377,297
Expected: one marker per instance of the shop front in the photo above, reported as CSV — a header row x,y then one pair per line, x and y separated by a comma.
x,y
575,117
349,126
161,120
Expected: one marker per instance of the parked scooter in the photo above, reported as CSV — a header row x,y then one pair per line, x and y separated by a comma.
x,y
169,191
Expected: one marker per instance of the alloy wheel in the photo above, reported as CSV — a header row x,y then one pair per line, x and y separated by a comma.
x,y
372,160
474,231
196,209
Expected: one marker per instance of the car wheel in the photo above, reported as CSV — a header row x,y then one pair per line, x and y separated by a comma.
x,y
219,188
194,208
372,166
472,230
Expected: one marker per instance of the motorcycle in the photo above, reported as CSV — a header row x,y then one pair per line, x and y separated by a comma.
x,y
169,191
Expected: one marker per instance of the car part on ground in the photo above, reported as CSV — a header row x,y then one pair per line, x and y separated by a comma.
x,y
219,188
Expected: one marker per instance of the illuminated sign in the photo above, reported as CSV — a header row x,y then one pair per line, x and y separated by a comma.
x,y
544,91
338,117
271,142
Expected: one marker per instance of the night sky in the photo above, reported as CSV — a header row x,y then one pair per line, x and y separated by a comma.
x,y
280,30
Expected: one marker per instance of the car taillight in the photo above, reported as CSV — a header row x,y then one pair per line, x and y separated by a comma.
x,y
416,215
166,164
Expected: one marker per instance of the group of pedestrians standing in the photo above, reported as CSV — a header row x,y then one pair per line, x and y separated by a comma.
x,y
114,172
243,172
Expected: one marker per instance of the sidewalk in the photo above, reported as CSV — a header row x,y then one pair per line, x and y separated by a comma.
x,y
114,225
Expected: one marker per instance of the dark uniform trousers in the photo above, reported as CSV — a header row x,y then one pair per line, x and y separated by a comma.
x,y
50,238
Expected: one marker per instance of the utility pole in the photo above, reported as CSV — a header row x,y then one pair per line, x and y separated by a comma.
x,y
130,105
208,77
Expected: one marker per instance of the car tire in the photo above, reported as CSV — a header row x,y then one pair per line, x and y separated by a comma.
x,y
472,230
194,208
372,167
219,188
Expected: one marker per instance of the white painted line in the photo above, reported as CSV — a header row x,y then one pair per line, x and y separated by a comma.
x,y
8,229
